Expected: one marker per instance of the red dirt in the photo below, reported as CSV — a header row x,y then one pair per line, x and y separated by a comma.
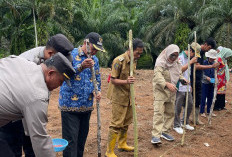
x,y
218,135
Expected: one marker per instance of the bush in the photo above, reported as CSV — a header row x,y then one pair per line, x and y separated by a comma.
x,y
145,62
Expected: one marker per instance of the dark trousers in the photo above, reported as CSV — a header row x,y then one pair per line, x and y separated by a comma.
x,y
13,134
75,129
207,92
5,150
220,102
198,94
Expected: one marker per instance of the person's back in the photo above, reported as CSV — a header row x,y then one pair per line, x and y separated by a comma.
x,y
19,87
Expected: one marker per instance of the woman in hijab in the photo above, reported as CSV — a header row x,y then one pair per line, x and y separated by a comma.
x,y
167,73
223,77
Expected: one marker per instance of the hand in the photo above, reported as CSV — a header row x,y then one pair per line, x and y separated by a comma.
x,y
208,79
215,65
130,80
193,60
171,87
87,63
98,97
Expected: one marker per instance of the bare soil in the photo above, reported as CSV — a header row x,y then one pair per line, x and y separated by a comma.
x,y
218,135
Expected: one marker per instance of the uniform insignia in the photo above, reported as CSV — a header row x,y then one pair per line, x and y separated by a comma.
x,y
116,66
121,59
78,58
97,72
78,78
74,97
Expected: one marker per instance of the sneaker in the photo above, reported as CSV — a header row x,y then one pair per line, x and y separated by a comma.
x,y
189,127
214,115
156,140
167,137
179,130
203,115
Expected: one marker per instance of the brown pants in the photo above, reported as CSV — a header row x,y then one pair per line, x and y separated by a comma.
x,y
163,117
121,117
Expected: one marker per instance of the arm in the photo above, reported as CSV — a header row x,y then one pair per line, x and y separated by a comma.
x,y
35,116
185,67
203,67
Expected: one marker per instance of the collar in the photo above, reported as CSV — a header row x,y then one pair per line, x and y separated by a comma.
x,y
80,51
127,59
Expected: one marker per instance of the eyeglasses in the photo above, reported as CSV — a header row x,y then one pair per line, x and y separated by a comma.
x,y
173,56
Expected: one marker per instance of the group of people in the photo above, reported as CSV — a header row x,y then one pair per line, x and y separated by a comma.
x,y
26,82
173,80
28,79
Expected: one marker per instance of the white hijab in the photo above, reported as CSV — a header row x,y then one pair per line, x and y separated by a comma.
x,y
174,67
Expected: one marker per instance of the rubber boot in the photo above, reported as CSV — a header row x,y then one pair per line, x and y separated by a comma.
x,y
122,145
112,137
197,112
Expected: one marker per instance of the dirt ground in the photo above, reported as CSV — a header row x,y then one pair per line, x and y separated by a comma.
x,y
218,135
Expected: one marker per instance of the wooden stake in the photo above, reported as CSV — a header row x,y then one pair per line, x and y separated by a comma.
x,y
186,100
132,94
194,84
97,102
214,94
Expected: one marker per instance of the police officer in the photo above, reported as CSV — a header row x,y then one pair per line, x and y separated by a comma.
x,y
13,132
25,94
119,93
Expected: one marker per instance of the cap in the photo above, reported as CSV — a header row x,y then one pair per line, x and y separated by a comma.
x,y
61,44
96,40
196,47
211,54
63,66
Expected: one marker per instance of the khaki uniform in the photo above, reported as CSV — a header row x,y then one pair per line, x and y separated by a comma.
x,y
164,102
120,94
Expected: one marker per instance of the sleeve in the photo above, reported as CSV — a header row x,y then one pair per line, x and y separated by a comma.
x,y
159,78
116,68
76,63
206,71
35,116
97,73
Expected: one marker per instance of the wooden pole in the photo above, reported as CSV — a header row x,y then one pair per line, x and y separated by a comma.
x,y
194,83
214,95
186,100
132,94
97,102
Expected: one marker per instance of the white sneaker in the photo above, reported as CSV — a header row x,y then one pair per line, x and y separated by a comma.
x,y
179,130
189,127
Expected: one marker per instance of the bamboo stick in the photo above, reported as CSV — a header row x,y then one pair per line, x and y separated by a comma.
x,y
214,95
132,94
194,84
186,100
97,102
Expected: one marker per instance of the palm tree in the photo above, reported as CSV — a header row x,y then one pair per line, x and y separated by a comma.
x,y
217,17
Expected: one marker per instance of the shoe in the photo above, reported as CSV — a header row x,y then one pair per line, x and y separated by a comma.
x,y
214,115
155,140
167,137
189,127
122,145
112,138
203,115
198,122
223,108
179,130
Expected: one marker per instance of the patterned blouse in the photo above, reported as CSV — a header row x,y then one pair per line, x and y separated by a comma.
x,y
221,76
79,97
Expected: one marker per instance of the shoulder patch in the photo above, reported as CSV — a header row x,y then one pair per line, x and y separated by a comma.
x,y
121,59
116,66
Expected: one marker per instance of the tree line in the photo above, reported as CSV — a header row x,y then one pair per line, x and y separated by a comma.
x,y
24,24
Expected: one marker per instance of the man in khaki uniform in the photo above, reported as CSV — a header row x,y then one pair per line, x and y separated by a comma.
x,y
119,93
